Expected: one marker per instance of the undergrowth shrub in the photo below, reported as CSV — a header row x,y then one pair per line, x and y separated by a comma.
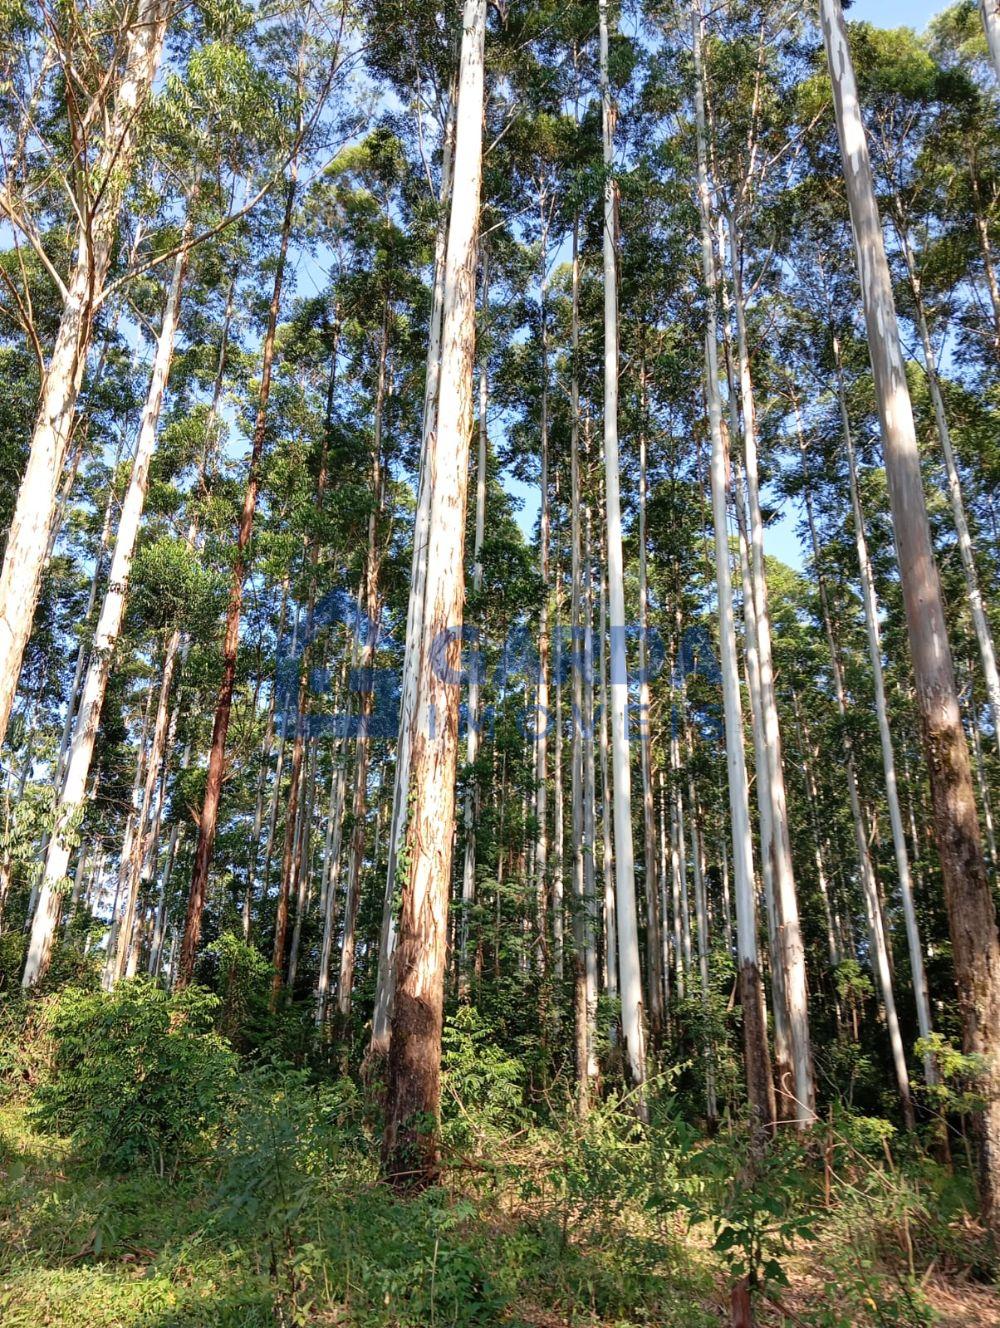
x,y
300,1178
482,1085
137,1074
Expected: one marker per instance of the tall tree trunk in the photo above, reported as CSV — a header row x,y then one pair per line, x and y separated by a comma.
x,y
866,870
540,724
784,1073
760,1089
583,722
154,765
607,845
920,992
471,809
28,535
372,616
971,910
990,12
331,881
105,638
81,654
786,898
654,974
409,1149
558,790
984,637
208,819
114,933
385,985
629,973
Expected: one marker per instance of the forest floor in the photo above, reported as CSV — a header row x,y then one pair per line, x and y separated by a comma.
x,y
79,1249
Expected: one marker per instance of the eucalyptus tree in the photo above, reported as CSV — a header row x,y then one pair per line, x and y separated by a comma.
x,y
629,974
758,1070
94,179
419,56
409,1151
750,140
188,134
311,66
972,913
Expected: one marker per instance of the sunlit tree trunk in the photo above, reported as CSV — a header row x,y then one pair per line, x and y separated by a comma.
x,y
30,527
154,768
607,843
984,637
409,1149
786,897
760,1089
115,930
784,1073
971,910
109,624
920,992
866,870
386,975
990,11
629,973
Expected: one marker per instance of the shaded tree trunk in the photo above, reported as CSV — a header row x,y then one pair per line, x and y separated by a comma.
x,y
208,819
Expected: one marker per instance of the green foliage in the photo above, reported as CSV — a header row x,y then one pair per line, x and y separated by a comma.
x,y
960,1076
482,1085
137,1074
753,1201
244,985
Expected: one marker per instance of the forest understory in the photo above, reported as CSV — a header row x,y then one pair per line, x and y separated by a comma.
x,y
223,1193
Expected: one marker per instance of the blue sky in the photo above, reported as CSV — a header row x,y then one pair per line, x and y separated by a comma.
x,y
895,13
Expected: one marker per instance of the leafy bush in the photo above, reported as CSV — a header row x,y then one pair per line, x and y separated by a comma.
x,y
137,1073
244,986
483,1086
300,1177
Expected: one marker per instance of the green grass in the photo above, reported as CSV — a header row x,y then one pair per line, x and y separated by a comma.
x,y
140,1251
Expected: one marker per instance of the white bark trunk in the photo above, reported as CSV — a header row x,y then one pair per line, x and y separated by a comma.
x,y
866,870
654,977
28,537
870,603
758,1072
105,638
630,976
786,898
971,908
608,855
385,980
990,12
413,1078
